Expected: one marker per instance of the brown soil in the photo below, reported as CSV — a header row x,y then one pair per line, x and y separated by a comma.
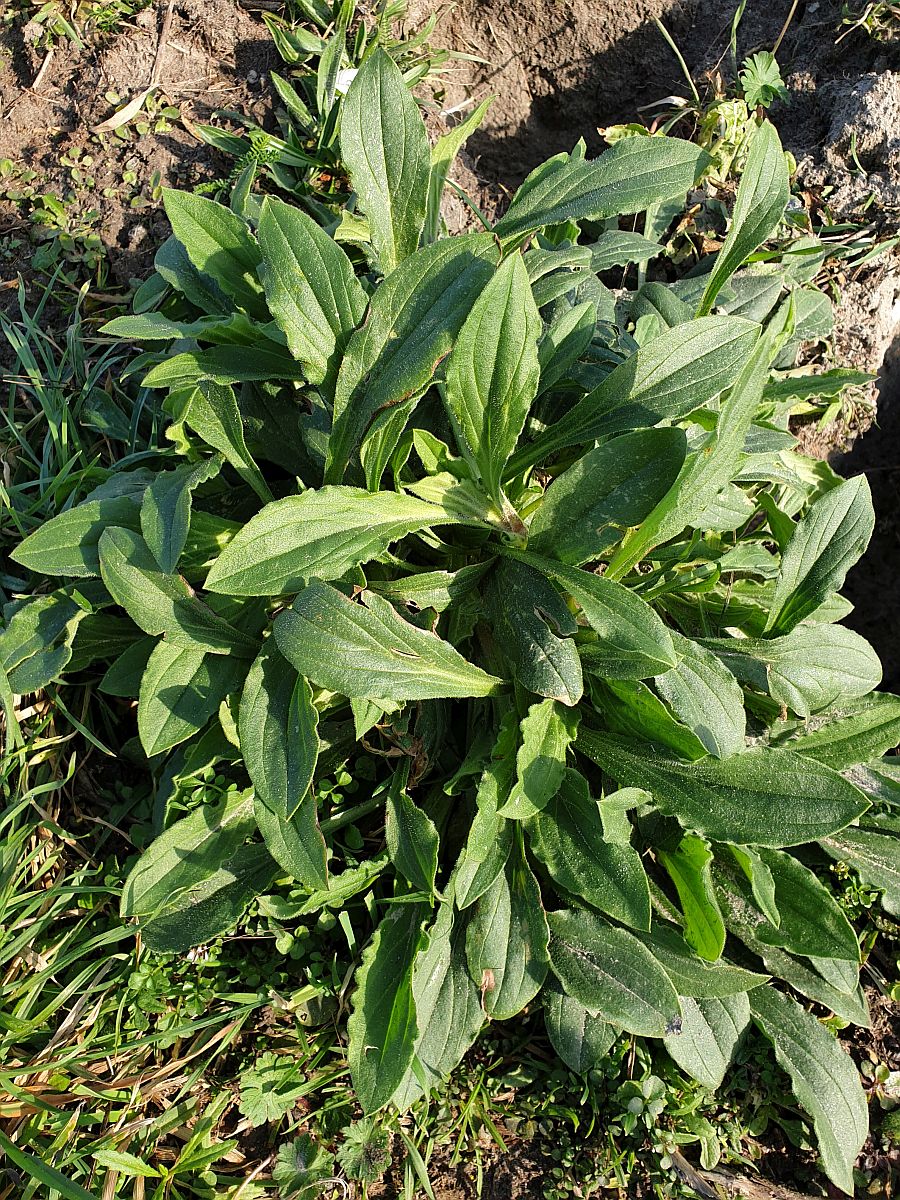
x,y
216,55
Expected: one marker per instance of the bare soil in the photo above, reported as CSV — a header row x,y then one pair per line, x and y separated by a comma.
x,y
216,56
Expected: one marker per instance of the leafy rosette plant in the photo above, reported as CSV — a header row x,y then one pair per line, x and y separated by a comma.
x,y
544,554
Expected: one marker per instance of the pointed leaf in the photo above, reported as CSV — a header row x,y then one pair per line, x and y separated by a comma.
x,y
710,1032
568,838
310,287
212,411
692,975
688,866
580,1038
760,797
382,1026
412,839
532,627
161,603
67,543
277,724
493,372
506,942
629,177
365,649
811,921
196,879
547,731
181,688
413,320
219,244
632,641
295,842
321,534
702,692
762,196
824,1078
448,1004
611,973
166,509
828,540
813,667
587,508
385,147
672,375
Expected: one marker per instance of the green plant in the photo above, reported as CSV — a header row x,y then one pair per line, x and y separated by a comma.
x,y
322,48
547,559
880,20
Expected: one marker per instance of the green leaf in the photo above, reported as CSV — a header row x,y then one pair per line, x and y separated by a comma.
x,y
532,627
580,1038
506,942
310,287
443,153
811,921
828,540
547,730
710,1032
489,842
181,688
632,641
692,975
703,693
382,1026
385,147
566,338
813,667
448,1004
161,603
688,866
430,589
166,509
760,879
627,178
875,856
125,1164
277,725
212,411
295,842
219,244
587,508
858,733
629,707
762,196
612,974
568,838
493,373
412,839
670,376
36,645
224,365
319,534
824,1079
196,879
715,461
36,1168
365,649
413,320
760,797
67,543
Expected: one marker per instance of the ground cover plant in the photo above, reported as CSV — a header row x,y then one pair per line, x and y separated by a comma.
x,y
454,509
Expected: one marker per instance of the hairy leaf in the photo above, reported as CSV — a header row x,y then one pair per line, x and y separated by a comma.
x,y
612,974
365,649
760,797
